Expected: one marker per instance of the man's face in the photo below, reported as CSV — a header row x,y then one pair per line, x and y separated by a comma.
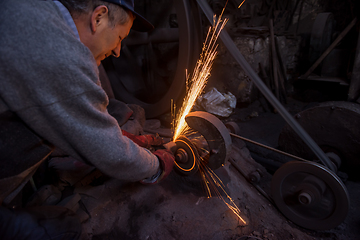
x,y
105,40
108,40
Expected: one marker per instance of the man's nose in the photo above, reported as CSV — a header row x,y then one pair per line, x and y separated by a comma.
x,y
116,51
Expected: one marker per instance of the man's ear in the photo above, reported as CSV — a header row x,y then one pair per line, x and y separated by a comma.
x,y
98,17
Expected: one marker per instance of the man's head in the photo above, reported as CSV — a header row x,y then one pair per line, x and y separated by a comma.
x,y
102,25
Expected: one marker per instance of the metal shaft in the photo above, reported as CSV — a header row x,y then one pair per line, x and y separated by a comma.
x,y
234,51
267,147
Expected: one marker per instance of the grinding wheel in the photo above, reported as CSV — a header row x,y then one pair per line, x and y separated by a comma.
x,y
334,126
186,156
216,134
310,195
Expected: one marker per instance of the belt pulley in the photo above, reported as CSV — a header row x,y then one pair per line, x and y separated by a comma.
x,y
307,193
310,195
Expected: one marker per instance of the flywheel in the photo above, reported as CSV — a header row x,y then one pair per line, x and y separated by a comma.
x,y
310,195
334,126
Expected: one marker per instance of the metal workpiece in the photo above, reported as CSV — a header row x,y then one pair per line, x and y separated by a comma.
x,y
310,195
234,51
215,133
171,146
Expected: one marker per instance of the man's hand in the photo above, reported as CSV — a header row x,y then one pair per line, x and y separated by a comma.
x,y
167,160
145,141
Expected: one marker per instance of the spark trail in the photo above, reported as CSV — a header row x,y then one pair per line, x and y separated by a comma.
x,y
214,184
241,4
197,83
194,87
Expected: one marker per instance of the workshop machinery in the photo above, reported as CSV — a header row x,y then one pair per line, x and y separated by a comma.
x,y
208,144
307,193
334,127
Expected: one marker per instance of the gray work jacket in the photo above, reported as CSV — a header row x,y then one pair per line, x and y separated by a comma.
x,y
49,82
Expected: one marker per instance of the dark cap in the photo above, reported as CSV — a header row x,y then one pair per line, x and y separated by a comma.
x,y
140,23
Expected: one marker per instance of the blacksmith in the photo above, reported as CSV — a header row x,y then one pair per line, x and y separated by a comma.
x,y
51,97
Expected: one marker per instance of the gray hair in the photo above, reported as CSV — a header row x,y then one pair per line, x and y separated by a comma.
x,y
117,14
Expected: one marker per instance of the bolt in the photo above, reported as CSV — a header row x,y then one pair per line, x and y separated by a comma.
x,y
214,151
181,156
255,176
304,198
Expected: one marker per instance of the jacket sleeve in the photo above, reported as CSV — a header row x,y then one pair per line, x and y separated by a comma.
x,y
81,126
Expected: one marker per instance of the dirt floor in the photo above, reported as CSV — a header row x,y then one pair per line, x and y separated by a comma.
x,y
179,208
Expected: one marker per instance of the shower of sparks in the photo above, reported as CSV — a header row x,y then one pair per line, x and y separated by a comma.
x,y
213,183
196,84
194,87
241,4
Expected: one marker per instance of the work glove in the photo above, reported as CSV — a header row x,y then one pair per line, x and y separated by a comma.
x,y
145,141
167,160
